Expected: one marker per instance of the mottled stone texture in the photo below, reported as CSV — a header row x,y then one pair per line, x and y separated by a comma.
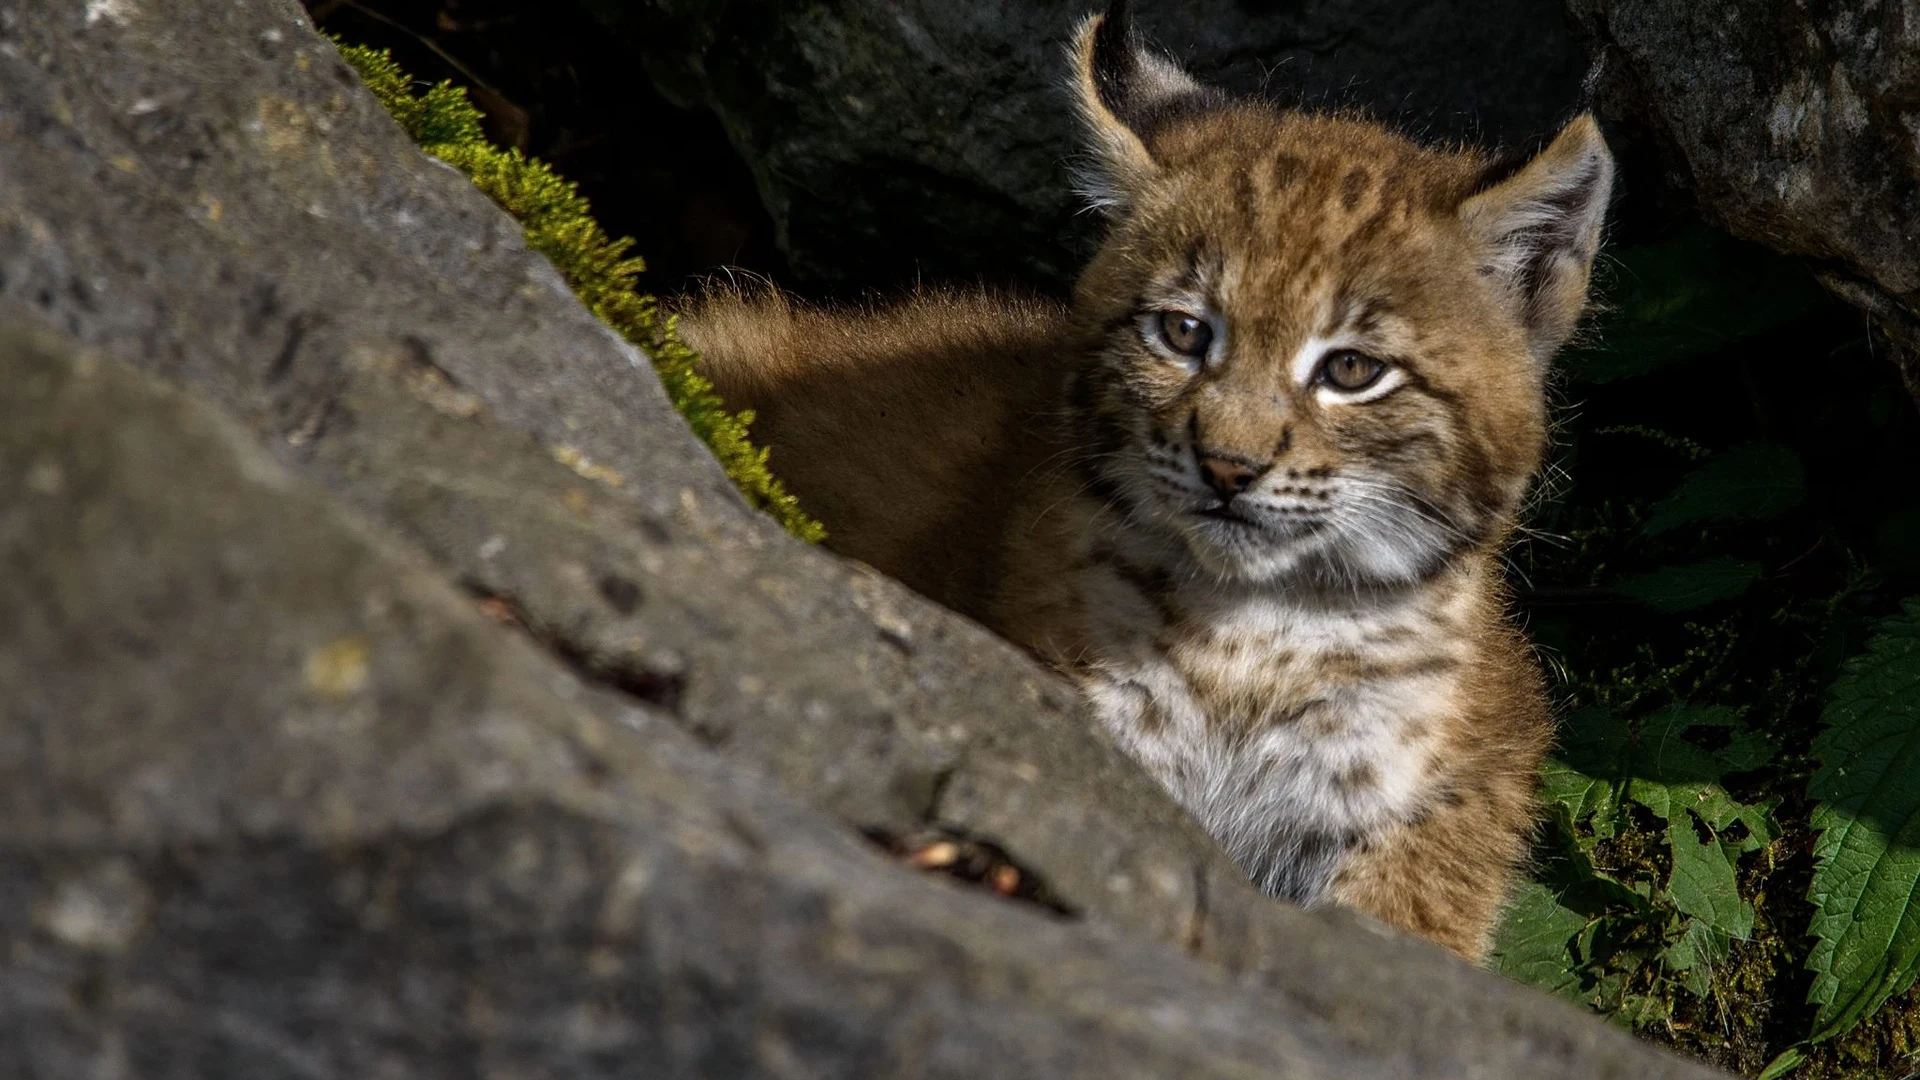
x,y
276,800
899,140
354,727
1794,124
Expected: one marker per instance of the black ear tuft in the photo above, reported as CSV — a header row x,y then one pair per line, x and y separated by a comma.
x,y
1125,93
1590,83
1116,57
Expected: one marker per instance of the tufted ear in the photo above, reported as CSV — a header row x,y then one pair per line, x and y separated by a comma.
x,y
1123,91
1540,224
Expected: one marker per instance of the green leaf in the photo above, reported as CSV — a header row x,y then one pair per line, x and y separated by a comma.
x,y
1642,1010
1695,954
1686,297
1789,1060
1594,743
1670,772
1867,791
1721,811
1683,588
1748,483
1580,795
1533,942
1583,778
1676,779
1663,766
1567,868
1745,749
1658,766
1703,884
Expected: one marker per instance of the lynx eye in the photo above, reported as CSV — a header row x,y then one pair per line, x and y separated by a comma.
x,y
1344,369
1184,333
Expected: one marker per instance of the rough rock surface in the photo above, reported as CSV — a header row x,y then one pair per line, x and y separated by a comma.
x,y
893,140
277,802
1796,125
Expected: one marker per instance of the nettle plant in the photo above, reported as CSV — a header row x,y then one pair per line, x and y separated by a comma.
x,y
1734,807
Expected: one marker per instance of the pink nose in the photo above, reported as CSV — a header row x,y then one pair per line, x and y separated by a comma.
x,y
1227,477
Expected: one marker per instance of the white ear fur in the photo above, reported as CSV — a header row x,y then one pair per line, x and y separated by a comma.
x,y
1119,87
1541,229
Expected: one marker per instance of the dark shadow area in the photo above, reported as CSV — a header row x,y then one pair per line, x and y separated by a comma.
x,y
556,86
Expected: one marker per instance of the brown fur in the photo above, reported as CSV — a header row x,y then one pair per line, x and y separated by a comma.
x,y
1041,469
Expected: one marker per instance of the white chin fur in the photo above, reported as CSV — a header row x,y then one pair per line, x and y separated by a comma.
x,y
1384,547
1238,553
1368,539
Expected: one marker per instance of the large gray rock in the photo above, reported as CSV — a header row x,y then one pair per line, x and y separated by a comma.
x,y
277,803
204,189
1792,124
893,139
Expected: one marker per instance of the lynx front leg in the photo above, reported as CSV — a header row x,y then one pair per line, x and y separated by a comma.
x,y
1445,876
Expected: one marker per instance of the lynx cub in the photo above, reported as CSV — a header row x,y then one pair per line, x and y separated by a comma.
x,y
1248,490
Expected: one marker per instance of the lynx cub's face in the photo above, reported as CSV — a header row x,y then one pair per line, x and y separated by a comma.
x,y
1321,348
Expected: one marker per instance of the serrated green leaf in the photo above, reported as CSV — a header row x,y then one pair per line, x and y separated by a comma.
x,y
1721,811
1703,884
1658,766
1670,772
1867,791
1533,942
1683,588
1748,483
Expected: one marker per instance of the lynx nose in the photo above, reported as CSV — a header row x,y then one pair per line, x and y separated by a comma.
x,y
1227,476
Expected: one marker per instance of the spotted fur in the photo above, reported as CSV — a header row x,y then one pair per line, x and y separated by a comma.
x,y
1280,594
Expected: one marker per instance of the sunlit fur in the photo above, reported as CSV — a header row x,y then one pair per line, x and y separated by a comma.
x,y
1320,668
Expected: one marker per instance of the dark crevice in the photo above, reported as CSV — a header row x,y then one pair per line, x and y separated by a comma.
x,y
420,354
297,328
945,850
1195,939
932,847
936,794
661,690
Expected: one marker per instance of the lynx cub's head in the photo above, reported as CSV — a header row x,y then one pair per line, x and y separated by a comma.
x,y
1320,348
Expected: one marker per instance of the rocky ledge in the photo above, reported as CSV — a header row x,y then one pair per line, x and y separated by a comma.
x,y
396,688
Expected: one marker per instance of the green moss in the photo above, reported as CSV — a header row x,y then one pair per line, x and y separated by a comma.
x,y
560,225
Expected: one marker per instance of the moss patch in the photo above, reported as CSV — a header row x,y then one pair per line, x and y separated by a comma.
x,y
559,224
